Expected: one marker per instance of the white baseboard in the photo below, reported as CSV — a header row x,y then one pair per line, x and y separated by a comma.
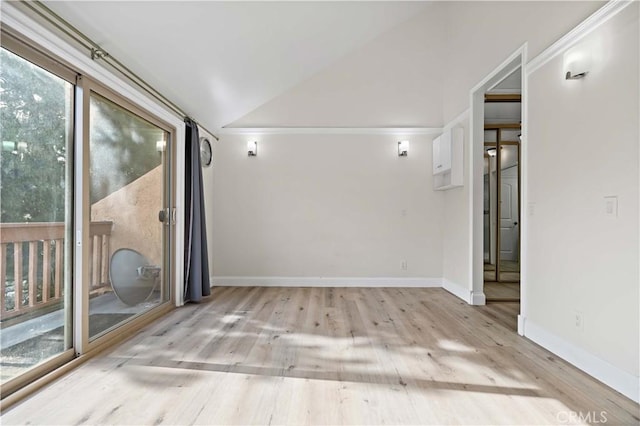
x,y
478,298
457,290
625,383
521,322
325,282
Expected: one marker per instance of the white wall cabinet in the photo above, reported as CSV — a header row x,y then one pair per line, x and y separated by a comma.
x,y
442,153
448,159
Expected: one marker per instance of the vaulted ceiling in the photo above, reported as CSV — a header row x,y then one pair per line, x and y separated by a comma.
x,y
221,60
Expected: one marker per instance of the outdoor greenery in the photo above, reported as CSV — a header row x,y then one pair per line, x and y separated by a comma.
x,y
34,121
123,147
36,134
35,129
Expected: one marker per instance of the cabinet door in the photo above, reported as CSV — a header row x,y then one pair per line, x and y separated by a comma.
x,y
445,151
442,153
437,166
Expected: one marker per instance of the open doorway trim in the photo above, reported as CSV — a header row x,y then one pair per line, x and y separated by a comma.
x,y
476,124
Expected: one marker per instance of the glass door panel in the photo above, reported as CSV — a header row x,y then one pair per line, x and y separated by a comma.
x,y
127,160
36,116
489,212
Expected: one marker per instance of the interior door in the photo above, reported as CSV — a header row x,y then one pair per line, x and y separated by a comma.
x,y
509,210
509,219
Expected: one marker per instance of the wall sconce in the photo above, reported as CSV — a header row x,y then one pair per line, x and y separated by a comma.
x,y
403,148
577,62
161,146
492,152
252,148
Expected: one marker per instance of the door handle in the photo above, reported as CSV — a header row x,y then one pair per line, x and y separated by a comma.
x,y
515,223
167,216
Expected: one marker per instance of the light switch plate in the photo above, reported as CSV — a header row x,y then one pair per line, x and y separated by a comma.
x,y
531,207
611,206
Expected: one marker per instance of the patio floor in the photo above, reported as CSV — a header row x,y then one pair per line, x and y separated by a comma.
x,y
30,342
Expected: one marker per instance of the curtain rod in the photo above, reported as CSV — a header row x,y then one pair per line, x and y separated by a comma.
x,y
97,52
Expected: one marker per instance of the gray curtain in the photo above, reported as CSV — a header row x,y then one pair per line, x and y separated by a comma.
x,y
196,258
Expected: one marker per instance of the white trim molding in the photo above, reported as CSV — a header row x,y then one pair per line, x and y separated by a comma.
x,y
602,15
325,282
457,120
521,323
409,131
474,147
478,298
458,290
612,376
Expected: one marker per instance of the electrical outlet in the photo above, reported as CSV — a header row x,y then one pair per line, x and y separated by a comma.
x,y
578,320
404,265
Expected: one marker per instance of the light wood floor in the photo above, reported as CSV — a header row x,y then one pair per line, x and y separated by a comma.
x,y
326,356
509,271
501,291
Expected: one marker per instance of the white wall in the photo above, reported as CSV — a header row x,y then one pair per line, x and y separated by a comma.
x,y
582,146
324,205
409,76
393,81
331,205
481,34
477,42
456,228
328,205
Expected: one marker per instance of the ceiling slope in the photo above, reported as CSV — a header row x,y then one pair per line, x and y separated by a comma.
x,y
220,60
393,81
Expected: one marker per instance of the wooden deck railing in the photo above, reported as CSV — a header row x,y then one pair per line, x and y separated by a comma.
x,y
43,284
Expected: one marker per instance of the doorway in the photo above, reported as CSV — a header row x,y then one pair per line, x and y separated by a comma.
x,y
501,190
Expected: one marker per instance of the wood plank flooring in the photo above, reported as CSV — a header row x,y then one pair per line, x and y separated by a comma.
x,y
327,356
495,291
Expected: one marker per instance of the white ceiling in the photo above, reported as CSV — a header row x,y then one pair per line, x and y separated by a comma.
x,y
511,83
505,112
220,60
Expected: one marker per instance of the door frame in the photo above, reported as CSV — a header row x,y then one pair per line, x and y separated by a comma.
x,y
12,42
476,166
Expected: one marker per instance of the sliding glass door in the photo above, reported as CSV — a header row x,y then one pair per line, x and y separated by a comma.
x,y
36,116
86,214
128,205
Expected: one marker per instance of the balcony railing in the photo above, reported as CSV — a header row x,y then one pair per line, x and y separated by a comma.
x,y
43,284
